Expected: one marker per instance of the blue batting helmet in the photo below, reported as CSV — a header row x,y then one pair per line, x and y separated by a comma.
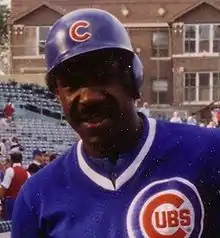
x,y
87,30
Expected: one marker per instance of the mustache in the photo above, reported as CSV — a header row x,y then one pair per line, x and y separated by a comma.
x,y
107,107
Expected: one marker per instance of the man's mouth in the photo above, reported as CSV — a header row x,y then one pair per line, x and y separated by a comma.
x,y
95,121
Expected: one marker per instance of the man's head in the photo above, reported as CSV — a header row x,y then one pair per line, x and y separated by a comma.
x,y
16,157
38,156
53,157
14,140
45,157
194,115
95,74
145,105
175,114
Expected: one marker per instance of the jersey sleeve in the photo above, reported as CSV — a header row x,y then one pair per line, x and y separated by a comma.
x,y
212,175
9,174
24,220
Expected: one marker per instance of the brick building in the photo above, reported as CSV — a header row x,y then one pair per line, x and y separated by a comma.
x,y
178,42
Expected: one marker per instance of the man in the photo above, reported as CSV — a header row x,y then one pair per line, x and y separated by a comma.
x,y
176,118
15,145
45,158
5,163
3,151
128,176
191,120
9,109
145,109
36,165
14,178
5,123
53,156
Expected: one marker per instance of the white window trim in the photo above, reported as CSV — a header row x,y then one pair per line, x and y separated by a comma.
x,y
30,57
211,86
146,25
197,53
197,102
161,58
164,105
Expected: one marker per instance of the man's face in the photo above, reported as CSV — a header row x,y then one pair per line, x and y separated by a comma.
x,y
38,158
46,159
94,99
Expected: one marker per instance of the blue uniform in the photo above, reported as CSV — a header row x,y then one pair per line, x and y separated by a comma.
x,y
168,186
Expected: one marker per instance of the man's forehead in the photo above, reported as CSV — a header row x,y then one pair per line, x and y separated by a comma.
x,y
92,63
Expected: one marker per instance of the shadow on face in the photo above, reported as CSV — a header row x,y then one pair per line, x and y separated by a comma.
x,y
96,91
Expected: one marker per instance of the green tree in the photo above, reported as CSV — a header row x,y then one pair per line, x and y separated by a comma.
x,y
4,15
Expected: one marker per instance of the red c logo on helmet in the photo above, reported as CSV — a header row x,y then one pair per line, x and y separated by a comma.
x,y
74,31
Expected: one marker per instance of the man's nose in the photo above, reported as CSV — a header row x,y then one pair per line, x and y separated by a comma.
x,y
90,96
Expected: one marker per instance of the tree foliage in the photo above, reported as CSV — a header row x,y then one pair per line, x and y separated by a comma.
x,y
4,15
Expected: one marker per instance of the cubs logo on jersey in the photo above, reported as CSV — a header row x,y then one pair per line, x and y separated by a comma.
x,y
79,31
170,208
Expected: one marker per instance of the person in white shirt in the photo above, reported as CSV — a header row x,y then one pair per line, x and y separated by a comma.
x,y
145,109
4,123
14,177
211,124
15,145
3,150
191,120
202,124
176,118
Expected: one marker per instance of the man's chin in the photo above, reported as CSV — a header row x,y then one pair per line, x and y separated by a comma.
x,y
101,144
100,137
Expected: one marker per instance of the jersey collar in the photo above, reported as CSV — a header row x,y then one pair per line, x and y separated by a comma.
x,y
128,173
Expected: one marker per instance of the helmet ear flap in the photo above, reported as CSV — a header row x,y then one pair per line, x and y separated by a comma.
x,y
51,82
138,71
136,75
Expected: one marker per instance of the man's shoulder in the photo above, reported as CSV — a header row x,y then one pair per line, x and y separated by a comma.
x,y
188,137
9,170
182,129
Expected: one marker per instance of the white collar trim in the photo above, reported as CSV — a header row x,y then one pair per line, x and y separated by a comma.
x,y
16,165
128,173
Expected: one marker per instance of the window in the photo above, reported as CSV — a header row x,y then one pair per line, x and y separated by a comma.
x,y
190,87
216,38
202,38
42,36
29,47
202,87
160,44
204,35
160,91
190,39
216,86
160,98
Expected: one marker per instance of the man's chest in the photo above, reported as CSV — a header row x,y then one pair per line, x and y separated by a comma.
x,y
166,207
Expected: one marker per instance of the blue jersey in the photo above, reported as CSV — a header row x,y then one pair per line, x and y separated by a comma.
x,y
167,186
